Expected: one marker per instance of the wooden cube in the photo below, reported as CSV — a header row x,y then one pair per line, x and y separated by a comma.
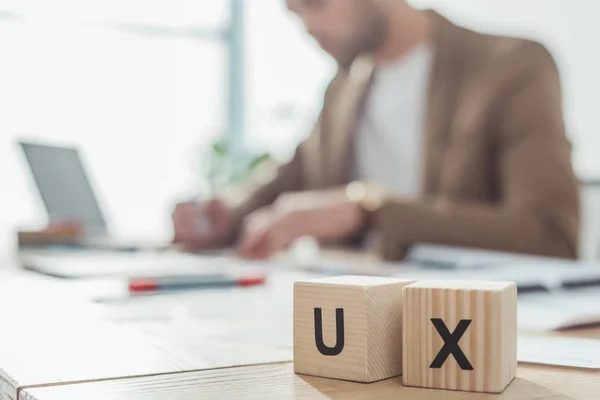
x,y
349,327
460,335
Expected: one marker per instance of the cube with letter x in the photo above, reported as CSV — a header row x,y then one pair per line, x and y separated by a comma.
x,y
460,335
349,327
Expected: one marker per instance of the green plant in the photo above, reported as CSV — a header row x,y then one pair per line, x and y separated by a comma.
x,y
224,167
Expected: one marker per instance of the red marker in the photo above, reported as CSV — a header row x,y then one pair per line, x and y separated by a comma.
x,y
140,285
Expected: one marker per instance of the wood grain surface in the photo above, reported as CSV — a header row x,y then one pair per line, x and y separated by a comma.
x,y
460,335
278,381
360,327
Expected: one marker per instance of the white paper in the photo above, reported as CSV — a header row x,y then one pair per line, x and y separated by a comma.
x,y
559,351
558,310
88,264
470,258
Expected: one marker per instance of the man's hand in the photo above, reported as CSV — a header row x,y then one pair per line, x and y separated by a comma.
x,y
326,215
201,225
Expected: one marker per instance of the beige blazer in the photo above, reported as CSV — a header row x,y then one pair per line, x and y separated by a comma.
x,y
497,170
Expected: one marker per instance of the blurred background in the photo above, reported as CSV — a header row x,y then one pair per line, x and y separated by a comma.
x,y
144,87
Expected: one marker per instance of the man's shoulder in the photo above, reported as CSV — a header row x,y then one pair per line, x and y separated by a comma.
x,y
502,51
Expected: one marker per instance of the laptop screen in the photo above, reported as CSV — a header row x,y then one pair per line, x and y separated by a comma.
x,y
64,186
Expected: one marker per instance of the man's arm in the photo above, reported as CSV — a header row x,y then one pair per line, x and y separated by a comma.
x,y
539,210
261,193
288,177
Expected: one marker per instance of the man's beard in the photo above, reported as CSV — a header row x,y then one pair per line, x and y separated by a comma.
x,y
368,38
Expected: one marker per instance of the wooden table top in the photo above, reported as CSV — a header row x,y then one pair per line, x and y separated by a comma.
x,y
58,347
278,381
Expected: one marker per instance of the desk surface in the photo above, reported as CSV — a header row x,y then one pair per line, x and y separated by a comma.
x,y
59,347
278,381
57,337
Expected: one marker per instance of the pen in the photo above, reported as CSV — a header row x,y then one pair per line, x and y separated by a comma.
x,y
583,283
531,288
141,285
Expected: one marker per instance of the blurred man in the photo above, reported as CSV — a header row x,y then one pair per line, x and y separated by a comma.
x,y
429,133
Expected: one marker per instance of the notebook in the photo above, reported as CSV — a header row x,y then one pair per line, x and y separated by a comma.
x,y
96,264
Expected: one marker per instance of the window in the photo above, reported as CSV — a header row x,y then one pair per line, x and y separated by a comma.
x,y
287,76
138,85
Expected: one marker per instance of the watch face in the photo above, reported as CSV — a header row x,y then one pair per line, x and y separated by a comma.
x,y
373,201
369,196
356,191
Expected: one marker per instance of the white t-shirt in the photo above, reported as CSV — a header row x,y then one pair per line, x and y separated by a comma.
x,y
390,131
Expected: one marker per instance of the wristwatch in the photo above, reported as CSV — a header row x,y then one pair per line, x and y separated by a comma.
x,y
369,196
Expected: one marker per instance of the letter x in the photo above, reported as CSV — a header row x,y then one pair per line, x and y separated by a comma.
x,y
451,344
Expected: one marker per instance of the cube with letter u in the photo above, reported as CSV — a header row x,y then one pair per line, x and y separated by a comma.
x,y
349,327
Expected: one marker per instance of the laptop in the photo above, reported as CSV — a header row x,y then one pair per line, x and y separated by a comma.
x,y
67,193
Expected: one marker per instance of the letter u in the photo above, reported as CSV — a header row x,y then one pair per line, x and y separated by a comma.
x,y
339,336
